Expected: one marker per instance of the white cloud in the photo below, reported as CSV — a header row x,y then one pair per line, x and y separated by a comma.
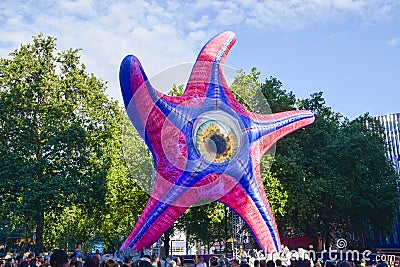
x,y
80,8
394,42
349,4
202,23
161,33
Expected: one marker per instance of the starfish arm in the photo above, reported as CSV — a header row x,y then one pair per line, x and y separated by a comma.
x,y
210,60
268,129
257,215
259,183
167,203
139,96
155,219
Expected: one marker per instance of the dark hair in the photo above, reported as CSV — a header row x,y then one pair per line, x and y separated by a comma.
x,y
257,263
345,264
92,261
141,263
32,262
278,262
155,258
110,263
270,263
127,259
177,260
73,261
58,258
24,264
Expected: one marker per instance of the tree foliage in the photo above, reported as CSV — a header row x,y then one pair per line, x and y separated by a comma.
x,y
60,146
338,179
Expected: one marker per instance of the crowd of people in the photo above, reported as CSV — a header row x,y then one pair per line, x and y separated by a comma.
x,y
59,258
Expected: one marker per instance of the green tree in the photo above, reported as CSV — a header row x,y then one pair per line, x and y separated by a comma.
x,y
369,174
315,189
56,129
329,168
112,221
278,99
129,182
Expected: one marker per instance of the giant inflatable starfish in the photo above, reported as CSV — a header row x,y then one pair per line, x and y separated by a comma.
x,y
205,145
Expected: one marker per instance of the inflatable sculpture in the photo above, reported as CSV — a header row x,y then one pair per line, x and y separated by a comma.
x,y
205,145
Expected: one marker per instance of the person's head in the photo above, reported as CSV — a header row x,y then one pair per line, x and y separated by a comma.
x,y
144,262
128,261
234,263
73,261
200,259
146,258
172,264
92,261
270,263
177,260
41,260
345,264
32,262
59,258
256,263
110,263
244,264
214,263
154,260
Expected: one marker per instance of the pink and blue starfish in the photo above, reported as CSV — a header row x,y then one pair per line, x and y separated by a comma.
x,y
205,145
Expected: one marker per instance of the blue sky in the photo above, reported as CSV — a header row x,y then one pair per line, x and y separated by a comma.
x,y
348,49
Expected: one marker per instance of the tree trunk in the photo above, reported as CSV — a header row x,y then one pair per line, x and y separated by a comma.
x,y
39,232
327,236
313,239
25,245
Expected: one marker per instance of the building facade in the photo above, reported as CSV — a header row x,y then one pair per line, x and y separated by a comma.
x,y
391,124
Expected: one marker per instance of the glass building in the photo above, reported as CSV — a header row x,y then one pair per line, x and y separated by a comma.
x,y
391,124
